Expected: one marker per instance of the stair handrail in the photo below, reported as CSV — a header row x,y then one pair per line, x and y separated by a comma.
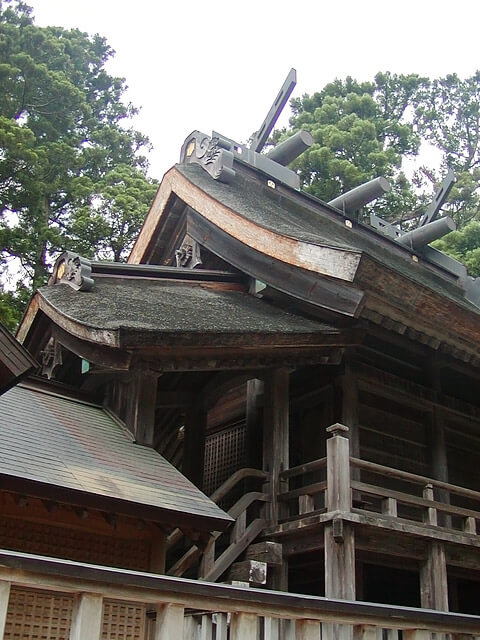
x,y
241,474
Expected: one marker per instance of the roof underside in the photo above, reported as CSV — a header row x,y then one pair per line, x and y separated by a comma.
x,y
80,452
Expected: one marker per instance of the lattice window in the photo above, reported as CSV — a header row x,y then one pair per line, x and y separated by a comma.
x,y
123,621
224,454
38,615
82,546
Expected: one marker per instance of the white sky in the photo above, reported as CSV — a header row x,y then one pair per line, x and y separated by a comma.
x,y
208,64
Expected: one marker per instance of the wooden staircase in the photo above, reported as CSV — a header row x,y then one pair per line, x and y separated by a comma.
x,y
218,554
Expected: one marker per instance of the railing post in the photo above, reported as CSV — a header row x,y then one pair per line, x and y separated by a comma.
x,y
470,525
365,632
4,599
244,626
339,534
308,630
206,628
430,515
306,504
416,634
169,622
87,617
271,628
339,492
221,628
389,507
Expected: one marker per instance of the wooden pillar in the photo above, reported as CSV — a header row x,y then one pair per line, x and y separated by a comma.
x,y
433,578
438,460
254,423
276,455
275,442
87,617
194,443
339,534
4,599
141,413
169,623
348,409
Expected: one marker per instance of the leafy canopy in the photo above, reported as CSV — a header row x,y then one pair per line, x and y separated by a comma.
x,y
72,173
365,129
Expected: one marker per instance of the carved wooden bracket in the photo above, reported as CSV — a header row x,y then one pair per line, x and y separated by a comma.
x,y
51,357
189,253
72,269
212,154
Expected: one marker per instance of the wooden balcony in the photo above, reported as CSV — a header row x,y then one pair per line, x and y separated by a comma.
x,y
169,608
367,493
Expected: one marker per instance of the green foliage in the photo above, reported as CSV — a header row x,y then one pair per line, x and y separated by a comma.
x,y
464,245
360,131
71,172
448,116
365,129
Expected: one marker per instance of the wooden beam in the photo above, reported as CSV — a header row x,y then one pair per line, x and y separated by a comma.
x,y
87,617
101,355
251,571
267,551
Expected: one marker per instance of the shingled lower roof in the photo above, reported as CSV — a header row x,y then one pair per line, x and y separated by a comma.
x,y
76,453
118,310
15,361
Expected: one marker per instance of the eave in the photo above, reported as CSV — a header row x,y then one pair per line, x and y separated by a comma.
x,y
286,263
15,361
372,277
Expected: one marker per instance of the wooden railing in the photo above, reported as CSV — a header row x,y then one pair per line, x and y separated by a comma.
x,y
421,504
235,540
309,497
340,485
180,609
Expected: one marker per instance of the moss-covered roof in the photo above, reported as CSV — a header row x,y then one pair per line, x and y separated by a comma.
x,y
304,218
169,308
